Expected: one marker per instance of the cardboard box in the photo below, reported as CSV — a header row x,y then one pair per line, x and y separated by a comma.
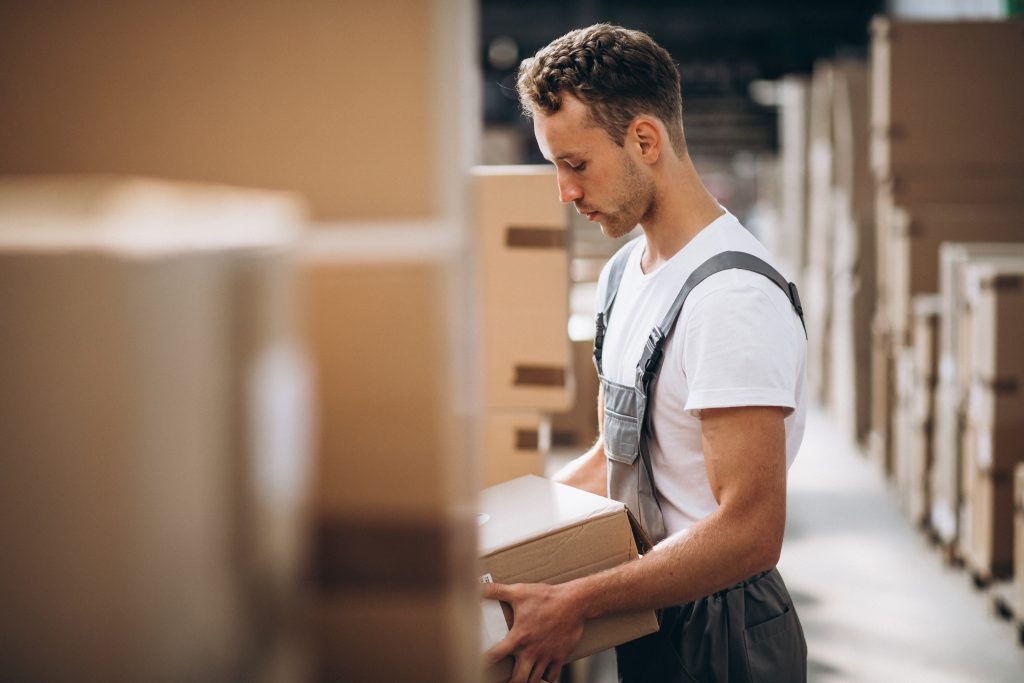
x,y
381,333
1018,542
155,399
916,127
265,98
993,442
391,634
955,358
915,234
536,531
788,241
920,442
883,398
515,444
523,251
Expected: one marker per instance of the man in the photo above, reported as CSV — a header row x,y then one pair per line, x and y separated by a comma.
x,y
702,371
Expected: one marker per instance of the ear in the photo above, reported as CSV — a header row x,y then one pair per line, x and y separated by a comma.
x,y
648,135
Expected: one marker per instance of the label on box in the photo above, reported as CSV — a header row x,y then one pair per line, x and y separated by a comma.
x,y
493,627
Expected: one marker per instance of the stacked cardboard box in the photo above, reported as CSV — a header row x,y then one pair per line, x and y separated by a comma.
x,y
993,438
787,240
953,378
1017,588
853,277
268,98
916,383
817,280
152,501
522,243
394,529
967,156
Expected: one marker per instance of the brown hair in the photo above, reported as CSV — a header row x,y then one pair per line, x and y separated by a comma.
x,y
618,73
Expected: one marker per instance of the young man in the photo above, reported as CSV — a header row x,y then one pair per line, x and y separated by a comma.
x,y
702,367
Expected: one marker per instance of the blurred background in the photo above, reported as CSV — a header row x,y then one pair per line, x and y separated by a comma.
x,y
284,285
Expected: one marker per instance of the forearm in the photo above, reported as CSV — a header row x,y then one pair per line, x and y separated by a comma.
x,y
588,472
716,553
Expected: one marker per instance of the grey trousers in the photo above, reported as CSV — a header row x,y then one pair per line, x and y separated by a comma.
x,y
749,632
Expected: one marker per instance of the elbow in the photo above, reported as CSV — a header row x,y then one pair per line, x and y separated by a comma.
x,y
766,546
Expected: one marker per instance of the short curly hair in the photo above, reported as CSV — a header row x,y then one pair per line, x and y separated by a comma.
x,y
618,73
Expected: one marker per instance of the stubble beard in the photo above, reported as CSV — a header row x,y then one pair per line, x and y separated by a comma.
x,y
635,201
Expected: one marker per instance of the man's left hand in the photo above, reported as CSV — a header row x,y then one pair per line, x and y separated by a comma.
x,y
547,624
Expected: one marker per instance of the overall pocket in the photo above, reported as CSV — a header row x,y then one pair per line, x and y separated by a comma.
x,y
776,651
621,437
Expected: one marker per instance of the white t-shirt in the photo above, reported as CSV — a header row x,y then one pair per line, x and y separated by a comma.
x,y
737,342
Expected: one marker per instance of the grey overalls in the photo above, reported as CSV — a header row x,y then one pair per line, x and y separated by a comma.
x,y
749,632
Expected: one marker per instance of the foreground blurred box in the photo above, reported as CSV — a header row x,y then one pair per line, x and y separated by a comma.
x,y
537,531
155,435
394,596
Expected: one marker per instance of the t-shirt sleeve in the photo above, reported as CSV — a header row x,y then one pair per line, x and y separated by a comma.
x,y
740,350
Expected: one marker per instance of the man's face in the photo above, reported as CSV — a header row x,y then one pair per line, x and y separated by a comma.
x,y
600,178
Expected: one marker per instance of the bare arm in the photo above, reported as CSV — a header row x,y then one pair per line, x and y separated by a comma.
x,y
745,456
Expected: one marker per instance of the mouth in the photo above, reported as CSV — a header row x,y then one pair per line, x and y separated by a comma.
x,y
591,215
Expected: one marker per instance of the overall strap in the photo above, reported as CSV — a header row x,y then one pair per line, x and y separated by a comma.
x,y
615,271
727,260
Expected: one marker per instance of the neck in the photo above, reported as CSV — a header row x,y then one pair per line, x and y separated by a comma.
x,y
682,207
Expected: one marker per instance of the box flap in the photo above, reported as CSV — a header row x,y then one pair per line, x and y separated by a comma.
x,y
531,507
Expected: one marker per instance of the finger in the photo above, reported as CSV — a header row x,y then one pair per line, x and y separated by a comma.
x,y
538,670
503,648
521,671
553,672
495,591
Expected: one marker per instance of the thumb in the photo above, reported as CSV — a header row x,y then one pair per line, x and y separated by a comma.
x,y
496,591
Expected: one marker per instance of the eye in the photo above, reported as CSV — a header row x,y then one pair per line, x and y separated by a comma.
x,y
578,167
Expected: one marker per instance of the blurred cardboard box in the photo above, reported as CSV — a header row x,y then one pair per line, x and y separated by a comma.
x,y
523,250
537,531
154,495
393,557
515,443
915,125
994,438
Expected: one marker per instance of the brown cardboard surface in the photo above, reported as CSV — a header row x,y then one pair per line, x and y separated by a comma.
x,y
515,443
523,250
265,97
916,234
987,514
122,388
396,635
534,530
995,295
883,386
151,376
915,124
920,455
380,336
817,275
1018,539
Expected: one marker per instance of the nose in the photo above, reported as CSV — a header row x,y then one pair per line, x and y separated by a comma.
x,y
568,190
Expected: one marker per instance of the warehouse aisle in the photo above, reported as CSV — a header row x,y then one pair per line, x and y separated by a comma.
x,y
876,602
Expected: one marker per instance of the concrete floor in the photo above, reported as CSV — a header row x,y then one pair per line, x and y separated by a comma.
x,y
876,601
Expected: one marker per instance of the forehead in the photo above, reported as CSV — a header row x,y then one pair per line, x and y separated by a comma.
x,y
568,132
